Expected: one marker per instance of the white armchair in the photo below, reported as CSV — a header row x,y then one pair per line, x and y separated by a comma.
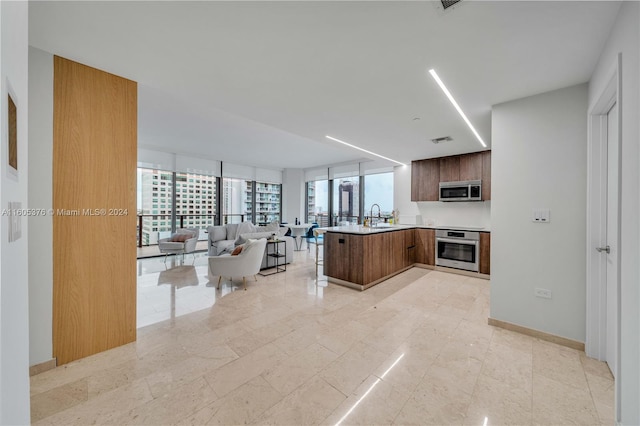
x,y
183,241
242,265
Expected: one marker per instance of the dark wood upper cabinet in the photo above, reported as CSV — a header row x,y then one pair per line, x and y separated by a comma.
x,y
471,166
450,169
425,177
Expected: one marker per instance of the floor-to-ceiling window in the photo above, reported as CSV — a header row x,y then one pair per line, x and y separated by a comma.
x,y
268,202
155,205
237,205
195,201
378,189
346,200
318,202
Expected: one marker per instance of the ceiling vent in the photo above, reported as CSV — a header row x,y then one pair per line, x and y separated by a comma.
x,y
446,4
442,139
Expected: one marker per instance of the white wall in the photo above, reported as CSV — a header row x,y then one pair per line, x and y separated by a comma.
x,y
538,160
402,195
625,38
40,196
473,214
14,296
293,196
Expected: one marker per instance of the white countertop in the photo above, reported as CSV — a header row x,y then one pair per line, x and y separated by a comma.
x,y
361,230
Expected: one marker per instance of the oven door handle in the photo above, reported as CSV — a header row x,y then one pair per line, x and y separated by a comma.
x,y
449,240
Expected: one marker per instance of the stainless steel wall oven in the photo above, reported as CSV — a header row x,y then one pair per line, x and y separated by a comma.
x,y
458,249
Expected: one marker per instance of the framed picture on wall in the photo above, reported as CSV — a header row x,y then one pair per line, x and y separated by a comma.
x,y
12,134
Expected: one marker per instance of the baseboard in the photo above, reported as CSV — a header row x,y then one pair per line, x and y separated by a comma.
x,y
573,344
453,271
42,367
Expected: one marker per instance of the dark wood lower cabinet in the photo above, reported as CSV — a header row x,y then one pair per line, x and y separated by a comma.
x,y
485,253
425,246
363,259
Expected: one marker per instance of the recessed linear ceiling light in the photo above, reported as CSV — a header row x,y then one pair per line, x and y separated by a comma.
x,y
364,150
455,104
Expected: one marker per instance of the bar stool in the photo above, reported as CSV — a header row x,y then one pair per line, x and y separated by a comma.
x,y
318,241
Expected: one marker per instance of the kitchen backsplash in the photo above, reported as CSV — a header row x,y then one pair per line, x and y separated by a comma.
x,y
472,214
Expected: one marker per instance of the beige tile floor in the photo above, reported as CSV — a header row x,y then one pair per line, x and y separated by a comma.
x,y
292,350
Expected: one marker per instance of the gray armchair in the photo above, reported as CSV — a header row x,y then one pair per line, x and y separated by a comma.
x,y
183,241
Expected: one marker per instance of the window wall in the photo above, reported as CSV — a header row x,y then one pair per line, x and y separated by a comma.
x,y
195,203
268,202
378,189
155,205
237,205
342,195
346,200
318,202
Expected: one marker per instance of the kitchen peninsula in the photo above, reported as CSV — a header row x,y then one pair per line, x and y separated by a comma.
x,y
360,257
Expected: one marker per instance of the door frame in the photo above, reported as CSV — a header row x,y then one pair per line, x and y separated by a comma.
x,y
596,309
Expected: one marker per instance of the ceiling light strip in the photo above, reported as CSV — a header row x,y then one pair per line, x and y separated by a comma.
x,y
455,104
364,150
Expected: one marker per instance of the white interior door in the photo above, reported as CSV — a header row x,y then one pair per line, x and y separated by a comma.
x,y
612,239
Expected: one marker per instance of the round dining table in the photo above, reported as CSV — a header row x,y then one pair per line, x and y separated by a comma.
x,y
297,231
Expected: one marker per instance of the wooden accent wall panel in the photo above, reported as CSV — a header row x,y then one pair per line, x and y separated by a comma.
x,y
94,250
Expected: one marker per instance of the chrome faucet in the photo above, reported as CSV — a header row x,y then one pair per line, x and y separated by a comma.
x,y
371,213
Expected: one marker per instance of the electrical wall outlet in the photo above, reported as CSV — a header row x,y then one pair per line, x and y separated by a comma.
x,y
542,292
541,216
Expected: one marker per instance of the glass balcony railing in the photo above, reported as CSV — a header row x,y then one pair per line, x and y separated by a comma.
x,y
152,227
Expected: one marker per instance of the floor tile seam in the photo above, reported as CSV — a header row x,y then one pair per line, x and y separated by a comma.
x,y
593,405
112,391
593,397
547,375
483,371
49,389
257,416
283,395
174,392
78,402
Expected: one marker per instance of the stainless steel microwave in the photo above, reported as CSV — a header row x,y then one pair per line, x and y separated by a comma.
x,y
468,190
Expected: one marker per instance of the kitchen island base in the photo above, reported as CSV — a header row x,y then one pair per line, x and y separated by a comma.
x,y
360,258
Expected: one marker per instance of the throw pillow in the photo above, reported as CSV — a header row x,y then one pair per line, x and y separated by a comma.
x,y
282,231
232,231
217,233
236,251
244,228
273,226
180,238
243,238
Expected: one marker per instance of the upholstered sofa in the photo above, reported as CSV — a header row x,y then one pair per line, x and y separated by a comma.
x,y
224,238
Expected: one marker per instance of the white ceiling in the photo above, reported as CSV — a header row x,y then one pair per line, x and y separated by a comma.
x,y
262,83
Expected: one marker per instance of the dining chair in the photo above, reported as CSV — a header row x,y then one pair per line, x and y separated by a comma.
x,y
309,235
